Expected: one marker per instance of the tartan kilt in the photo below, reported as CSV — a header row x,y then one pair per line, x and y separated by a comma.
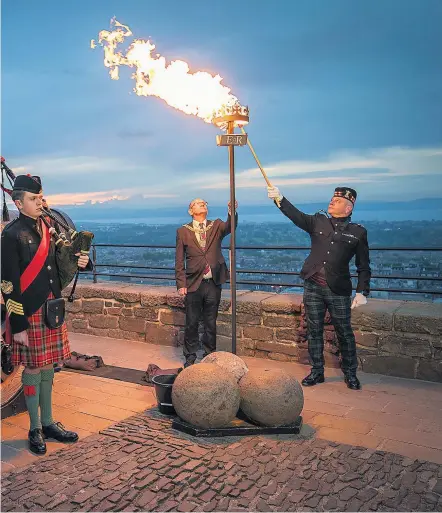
x,y
46,346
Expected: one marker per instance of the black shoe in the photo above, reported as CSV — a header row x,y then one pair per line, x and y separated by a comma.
x,y
59,433
353,383
37,445
188,363
313,379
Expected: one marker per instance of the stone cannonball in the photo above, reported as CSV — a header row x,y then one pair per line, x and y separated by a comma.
x,y
271,397
229,362
206,396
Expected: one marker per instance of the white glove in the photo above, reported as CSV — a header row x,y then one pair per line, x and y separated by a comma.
x,y
274,194
359,300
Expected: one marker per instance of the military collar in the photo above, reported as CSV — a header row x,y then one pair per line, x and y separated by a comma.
x,y
341,219
30,221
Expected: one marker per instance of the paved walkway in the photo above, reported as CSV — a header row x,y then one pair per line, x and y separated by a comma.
x,y
133,464
141,464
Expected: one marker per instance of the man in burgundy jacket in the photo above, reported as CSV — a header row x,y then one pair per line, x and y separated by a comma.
x,y
200,271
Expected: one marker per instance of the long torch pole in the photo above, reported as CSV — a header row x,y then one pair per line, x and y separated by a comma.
x,y
230,130
249,144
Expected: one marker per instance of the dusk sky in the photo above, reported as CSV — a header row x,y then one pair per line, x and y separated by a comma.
x,y
340,93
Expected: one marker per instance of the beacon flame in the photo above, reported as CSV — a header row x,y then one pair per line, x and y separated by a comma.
x,y
198,94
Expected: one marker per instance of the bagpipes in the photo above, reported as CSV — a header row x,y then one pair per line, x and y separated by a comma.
x,y
69,242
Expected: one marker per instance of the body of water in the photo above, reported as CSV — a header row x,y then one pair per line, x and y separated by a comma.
x,y
358,217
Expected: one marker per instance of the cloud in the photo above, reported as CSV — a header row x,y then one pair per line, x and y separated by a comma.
x,y
101,196
392,173
362,167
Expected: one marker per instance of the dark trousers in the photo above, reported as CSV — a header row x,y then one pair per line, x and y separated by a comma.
x,y
205,300
317,300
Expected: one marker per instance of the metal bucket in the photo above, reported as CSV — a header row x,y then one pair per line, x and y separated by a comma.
x,y
163,390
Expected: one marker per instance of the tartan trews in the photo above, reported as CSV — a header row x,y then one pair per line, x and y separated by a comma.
x,y
317,300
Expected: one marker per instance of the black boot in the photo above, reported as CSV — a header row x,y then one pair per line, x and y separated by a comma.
x,y
352,382
59,433
36,442
313,378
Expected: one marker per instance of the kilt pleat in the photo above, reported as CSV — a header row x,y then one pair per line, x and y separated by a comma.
x,y
46,345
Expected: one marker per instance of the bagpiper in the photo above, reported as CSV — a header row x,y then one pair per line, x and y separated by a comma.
x,y
31,291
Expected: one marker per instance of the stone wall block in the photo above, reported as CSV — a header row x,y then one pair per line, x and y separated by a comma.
x,y
282,303
113,310
225,330
79,324
103,321
173,317
258,332
135,324
277,347
377,314
162,335
287,334
280,320
366,339
415,317
250,303
93,306
148,313
74,307
401,344
155,296
389,365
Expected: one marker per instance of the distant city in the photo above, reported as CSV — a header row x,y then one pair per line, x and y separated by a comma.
x,y
410,274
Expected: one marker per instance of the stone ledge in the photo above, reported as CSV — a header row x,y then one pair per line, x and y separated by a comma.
x,y
398,338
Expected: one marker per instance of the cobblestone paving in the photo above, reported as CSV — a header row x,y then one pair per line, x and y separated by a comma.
x,y
141,464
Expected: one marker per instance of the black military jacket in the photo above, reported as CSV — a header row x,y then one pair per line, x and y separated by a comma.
x,y
19,243
334,243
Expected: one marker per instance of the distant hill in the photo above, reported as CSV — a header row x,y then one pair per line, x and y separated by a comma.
x,y
115,209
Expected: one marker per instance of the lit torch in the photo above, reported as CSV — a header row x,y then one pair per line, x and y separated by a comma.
x,y
199,94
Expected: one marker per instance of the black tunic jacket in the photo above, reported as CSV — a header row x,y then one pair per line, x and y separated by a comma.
x,y
334,243
19,243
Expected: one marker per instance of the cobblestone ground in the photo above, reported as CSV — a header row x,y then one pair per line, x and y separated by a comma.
x,y
141,464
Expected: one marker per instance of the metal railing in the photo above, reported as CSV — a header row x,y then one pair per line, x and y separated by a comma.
x,y
263,272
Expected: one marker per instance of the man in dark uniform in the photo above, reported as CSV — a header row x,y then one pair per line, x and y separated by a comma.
x,y
30,278
327,286
200,271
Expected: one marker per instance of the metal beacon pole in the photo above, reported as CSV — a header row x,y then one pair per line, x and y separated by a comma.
x,y
230,118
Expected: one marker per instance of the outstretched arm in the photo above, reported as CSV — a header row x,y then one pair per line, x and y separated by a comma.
x,y
303,221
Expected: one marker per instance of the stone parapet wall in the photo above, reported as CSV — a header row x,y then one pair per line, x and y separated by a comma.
x,y
398,338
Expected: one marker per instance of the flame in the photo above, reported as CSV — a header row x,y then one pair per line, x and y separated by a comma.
x,y
199,94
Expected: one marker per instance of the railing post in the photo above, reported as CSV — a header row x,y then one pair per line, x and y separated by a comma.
x,y
94,261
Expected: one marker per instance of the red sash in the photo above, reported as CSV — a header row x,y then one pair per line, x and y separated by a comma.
x,y
31,272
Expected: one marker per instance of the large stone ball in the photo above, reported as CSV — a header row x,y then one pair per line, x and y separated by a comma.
x,y
206,396
229,362
271,397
